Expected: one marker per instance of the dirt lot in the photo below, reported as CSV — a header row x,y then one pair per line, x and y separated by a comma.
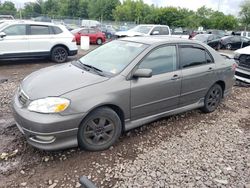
x,y
187,150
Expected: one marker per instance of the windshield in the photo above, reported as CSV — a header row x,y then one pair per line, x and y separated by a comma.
x,y
114,56
142,29
76,30
3,24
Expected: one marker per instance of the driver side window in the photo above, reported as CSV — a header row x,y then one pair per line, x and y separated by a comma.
x,y
160,60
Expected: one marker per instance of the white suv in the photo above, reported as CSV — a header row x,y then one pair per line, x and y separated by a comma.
x,y
26,39
145,30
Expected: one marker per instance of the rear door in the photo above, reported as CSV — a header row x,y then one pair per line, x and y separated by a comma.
x,y
92,35
40,39
15,42
197,67
236,42
160,92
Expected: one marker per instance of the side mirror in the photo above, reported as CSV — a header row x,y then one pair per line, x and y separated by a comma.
x,y
155,33
2,34
142,73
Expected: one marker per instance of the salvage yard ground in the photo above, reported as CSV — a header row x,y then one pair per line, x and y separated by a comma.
x,y
192,149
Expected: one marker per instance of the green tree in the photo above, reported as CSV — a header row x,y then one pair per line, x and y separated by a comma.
x,y
245,12
51,7
8,8
32,9
102,9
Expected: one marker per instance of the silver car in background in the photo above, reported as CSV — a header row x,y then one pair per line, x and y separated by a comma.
x,y
117,87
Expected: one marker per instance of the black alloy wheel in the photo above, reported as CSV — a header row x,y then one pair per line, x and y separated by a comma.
x,y
99,130
212,99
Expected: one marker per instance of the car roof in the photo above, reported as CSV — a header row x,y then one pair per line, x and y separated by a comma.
x,y
157,39
152,25
31,22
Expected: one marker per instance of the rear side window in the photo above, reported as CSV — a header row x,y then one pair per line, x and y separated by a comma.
x,y
39,30
15,30
164,31
160,60
92,31
193,56
56,30
84,31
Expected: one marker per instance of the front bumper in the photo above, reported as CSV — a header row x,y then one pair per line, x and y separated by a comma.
x,y
242,75
47,131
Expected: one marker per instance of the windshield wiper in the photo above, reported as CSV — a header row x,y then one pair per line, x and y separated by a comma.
x,y
90,67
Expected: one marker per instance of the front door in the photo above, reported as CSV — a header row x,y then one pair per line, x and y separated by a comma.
x,y
15,42
160,92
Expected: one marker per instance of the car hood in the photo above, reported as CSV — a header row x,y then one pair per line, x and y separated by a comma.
x,y
245,50
58,80
129,33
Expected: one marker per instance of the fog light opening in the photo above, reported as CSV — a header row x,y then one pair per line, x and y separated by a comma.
x,y
45,138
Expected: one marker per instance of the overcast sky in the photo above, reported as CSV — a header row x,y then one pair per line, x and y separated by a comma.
x,y
226,6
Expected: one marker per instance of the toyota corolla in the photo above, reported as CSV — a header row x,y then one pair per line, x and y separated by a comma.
x,y
116,87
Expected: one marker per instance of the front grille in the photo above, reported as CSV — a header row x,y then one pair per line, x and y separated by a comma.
x,y
244,61
242,75
23,98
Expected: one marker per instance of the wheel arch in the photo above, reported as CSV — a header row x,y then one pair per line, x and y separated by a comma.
x,y
59,45
222,84
115,108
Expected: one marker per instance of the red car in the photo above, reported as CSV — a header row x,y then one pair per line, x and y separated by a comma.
x,y
95,35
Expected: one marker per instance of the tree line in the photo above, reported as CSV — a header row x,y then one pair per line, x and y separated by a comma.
x,y
131,10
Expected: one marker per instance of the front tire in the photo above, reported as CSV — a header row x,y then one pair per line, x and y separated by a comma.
x,y
99,130
228,47
99,41
212,99
59,54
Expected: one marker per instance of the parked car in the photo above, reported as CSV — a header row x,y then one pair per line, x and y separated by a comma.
x,y
243,34
42,19
234,42
90,23
221,33
95,35
6,17
242,57
145,30
109,32
209,39
117,87
28,39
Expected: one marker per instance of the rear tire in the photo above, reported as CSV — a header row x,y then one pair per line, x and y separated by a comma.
x,y
99,130
59,54
212,99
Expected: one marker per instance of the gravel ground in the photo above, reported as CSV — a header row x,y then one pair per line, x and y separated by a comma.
x,y
192,149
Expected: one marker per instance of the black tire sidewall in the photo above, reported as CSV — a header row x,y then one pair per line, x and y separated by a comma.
x,y
105,112
53,57
206,109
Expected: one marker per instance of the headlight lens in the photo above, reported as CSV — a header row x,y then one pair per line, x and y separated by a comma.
x,y
49,105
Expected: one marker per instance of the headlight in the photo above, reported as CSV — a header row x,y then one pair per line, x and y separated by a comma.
x,y
49,105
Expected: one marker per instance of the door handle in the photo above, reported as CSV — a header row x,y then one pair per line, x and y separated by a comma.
x,y
175,77
210,69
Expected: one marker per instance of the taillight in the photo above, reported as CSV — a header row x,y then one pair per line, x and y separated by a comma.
x,y
234,66
74,39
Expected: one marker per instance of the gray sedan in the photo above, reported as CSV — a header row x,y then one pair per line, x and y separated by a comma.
x,y
117,87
